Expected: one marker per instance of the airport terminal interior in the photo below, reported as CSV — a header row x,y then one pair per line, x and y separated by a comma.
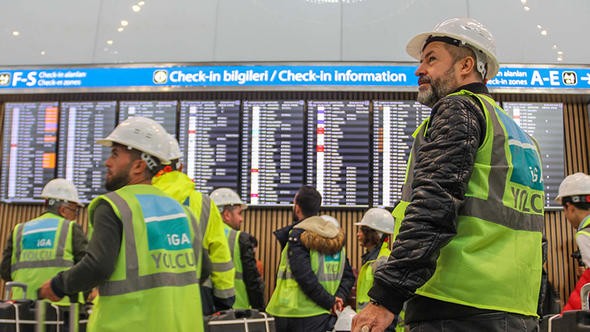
x,y
244,86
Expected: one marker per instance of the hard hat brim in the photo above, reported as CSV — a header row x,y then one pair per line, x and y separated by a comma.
x,y
108,142
416,44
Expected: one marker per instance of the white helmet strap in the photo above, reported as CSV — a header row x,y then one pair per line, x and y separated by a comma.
x,y
480,58
152,164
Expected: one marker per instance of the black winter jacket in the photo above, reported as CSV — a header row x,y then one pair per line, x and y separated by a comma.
x,y
442,171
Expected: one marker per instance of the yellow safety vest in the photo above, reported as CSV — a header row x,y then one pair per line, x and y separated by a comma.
x,y
366,277
495,260
42,248
155,284
242,301
288,300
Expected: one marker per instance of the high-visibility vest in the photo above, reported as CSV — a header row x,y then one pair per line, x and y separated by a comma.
x,y
288,300
366,277
155,284
495,260
242,301
42,248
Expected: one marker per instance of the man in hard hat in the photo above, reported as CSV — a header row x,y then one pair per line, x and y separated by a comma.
x,y
219,272
249,284
144,254
53,242
468,255
314,276
574,196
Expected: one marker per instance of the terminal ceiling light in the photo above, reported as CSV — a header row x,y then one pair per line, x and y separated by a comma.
x,y
135,8
109,42
120,29
141,3
124,23
16,33
42,52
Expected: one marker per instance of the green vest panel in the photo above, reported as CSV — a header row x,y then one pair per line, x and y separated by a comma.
x,y
288,300
155,284
495,260
366,276
42,248
242,301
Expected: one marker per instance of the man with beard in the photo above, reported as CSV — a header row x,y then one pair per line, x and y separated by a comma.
x,y
314,276
144,254
468,256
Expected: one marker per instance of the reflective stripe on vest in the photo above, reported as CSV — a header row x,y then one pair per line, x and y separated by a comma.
x,y
57,252
135,282
495,259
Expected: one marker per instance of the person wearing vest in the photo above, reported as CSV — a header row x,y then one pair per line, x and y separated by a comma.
x,y
145,251
314,276
375,229
468,255
41,247
217,275
574,196
249,284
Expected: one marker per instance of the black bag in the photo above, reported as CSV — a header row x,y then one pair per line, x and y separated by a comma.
x,y
250,320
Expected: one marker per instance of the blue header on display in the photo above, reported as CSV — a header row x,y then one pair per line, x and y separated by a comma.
x,y
279,76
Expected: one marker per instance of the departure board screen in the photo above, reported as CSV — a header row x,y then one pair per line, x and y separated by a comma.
x,y
544,121
272,151
81,159
339,152
394,122
28,150
209,137
163,112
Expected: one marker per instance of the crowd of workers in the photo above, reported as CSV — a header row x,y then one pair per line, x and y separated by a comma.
x,y
462,251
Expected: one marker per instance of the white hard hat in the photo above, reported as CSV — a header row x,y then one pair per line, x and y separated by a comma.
x,y
174,152
577,184
61,189
331,219
378,219
225,196
468,32
142,134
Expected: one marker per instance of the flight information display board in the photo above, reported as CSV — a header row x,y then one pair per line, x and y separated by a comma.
x,y
28,150
338,151
209,137
81,159
544,121
272,151
163,111
394,122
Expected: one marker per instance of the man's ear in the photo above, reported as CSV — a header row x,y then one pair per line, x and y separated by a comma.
x,y
138,167
468,65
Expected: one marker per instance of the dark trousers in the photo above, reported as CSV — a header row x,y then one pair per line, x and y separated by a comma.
x,y
319,323
489,322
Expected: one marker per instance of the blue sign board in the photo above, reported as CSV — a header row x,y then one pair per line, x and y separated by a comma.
x,y
359,76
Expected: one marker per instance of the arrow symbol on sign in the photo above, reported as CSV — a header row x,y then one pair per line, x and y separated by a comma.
x,y
586,78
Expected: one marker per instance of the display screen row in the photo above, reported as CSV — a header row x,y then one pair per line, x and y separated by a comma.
x,y
353,152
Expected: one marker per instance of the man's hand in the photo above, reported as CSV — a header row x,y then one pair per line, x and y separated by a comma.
x,y
374,318
45,292
338,306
